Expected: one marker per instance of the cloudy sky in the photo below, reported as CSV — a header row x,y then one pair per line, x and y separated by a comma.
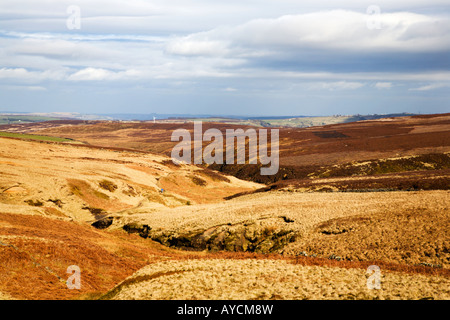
x,y
256,57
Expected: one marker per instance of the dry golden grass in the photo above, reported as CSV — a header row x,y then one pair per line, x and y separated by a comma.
x,y
94,198
72,178
252,279
402,227
413,236
36,252
200,188
45,191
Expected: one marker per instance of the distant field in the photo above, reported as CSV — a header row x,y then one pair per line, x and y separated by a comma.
x,y
23,119
297,122
35,137
304,122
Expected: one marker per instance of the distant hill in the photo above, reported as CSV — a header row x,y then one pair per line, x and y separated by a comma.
x,y
263,121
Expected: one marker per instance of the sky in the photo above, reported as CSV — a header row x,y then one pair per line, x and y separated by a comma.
x,y
245,58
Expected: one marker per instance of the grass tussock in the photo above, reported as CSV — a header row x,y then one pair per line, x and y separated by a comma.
x,y
94,211
57,202
83,189
214,175
433,161
34,203
108,185
54,212
94,198
198,181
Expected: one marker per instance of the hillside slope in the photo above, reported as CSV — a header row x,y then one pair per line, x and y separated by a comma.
x,y
51,194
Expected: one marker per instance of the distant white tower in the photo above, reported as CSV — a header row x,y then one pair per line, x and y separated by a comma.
x,y
154,119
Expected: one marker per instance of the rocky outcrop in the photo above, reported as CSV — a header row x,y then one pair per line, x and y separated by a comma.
x,y
143,230
103,223
252,236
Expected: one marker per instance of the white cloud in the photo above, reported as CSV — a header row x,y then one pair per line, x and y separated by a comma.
x,y
13,73
187,46
333,86
432,86
383,85
349,76
25,75
29,88
91,74
327,30
36,88
98,74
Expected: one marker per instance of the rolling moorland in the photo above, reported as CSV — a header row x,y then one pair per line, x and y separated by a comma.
x,y
105,196
298,122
